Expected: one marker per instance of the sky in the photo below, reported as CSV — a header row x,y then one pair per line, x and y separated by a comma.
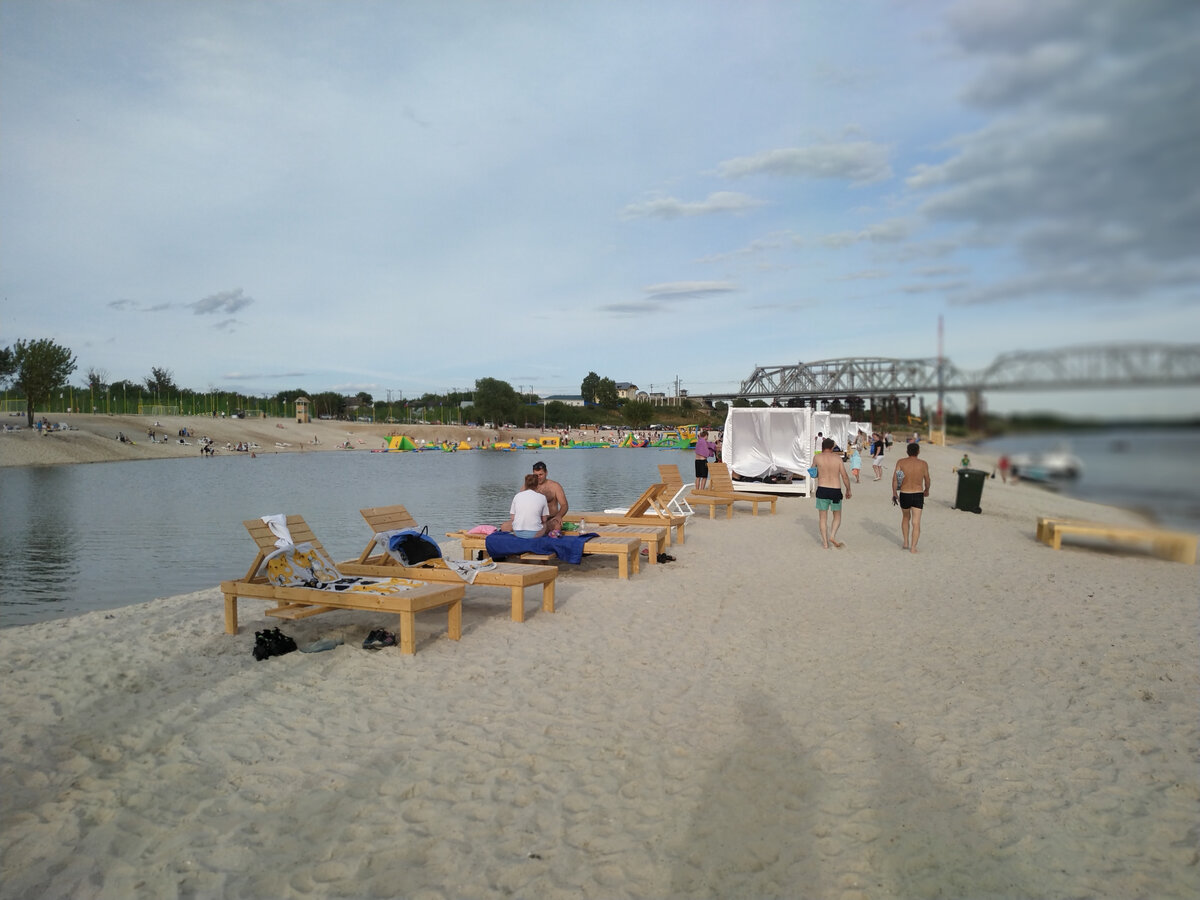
x,y
403,197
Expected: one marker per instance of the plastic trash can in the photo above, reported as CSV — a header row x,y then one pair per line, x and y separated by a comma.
x,y
970,489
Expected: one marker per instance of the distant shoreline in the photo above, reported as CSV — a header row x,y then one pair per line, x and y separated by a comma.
x,y
93,438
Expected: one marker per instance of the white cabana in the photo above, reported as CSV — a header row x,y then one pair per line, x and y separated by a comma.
x,y
764,441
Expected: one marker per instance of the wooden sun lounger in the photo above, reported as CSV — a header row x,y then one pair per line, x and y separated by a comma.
x,y
1177,546
623,547
721,484
669,472
514,576
648,510
302,602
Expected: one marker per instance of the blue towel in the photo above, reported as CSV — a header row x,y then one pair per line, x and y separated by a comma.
x,y
569,549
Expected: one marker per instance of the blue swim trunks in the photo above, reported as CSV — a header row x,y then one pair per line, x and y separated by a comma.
x,y
829,498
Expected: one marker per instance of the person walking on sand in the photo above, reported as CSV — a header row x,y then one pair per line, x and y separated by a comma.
x,y
556,497
704,449
831,475
855,462
910,485
877,457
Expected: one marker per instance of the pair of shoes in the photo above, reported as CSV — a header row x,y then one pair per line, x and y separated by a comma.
x,y
665,557
271,643
378,639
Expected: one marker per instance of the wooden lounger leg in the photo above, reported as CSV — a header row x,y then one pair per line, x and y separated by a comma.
x,y
679,534
408,633
518,603
454,616
548,596
231,622
729,511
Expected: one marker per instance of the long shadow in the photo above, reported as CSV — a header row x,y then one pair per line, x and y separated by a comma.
x,y
933,839
751,835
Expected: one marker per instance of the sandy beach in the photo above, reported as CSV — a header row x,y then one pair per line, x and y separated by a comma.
x,y
759,718
93,438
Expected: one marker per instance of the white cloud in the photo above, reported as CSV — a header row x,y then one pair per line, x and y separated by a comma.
x,y
860,162
664,207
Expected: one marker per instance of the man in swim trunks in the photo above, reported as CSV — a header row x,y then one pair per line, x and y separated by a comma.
x,y
831,475
911,483
556,497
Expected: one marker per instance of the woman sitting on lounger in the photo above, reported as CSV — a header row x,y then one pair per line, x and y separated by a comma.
x,y
529,511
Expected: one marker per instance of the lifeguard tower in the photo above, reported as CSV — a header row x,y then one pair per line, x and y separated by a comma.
x,y
302,404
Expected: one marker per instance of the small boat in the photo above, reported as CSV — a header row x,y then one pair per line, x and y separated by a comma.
x,y
1053,465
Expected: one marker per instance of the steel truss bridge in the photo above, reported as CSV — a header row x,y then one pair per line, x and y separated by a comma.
x,y
1070,368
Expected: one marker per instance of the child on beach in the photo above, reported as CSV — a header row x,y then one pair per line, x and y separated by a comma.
x,y
855,462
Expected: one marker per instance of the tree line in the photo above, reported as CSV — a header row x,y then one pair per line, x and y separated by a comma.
x,y
39,373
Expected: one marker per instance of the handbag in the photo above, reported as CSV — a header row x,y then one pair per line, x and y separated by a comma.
x,y
411,547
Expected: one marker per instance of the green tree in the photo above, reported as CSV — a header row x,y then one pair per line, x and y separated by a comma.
x,y
587,390
8,364
496,401
329,403
606,394
38,368
720,407
161,381
637,413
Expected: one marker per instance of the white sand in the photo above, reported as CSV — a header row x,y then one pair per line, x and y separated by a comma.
x,y
761,718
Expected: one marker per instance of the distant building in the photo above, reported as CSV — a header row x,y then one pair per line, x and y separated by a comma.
x,y
626,390
567,399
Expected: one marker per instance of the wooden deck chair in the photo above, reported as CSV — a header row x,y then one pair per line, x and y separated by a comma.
x,y
623,546
647,510
673,479
276,575
375,560
721,483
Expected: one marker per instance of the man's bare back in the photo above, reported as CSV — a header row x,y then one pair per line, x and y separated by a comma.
x,y
915,478
831,472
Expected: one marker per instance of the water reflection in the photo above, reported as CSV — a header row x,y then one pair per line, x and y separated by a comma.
x,y
76,538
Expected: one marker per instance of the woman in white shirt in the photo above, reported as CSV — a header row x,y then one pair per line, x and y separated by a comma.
x,y
528,512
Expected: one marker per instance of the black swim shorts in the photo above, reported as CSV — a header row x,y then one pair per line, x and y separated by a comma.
x,y
701,468
828,493
912,500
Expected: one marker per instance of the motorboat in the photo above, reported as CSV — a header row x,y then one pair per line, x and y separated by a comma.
x,y
1053,465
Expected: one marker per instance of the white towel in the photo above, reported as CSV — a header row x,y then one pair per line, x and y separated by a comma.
x,y
278,525
467,569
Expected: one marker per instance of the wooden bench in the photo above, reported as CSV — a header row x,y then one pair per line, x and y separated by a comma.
x,y
1177,546
623,547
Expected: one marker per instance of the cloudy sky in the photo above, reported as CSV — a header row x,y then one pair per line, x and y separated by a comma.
x,y
408,196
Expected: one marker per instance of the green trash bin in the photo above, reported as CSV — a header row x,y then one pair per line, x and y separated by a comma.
x,y
970,489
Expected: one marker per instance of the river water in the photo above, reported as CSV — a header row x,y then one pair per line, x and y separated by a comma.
x,y
85,537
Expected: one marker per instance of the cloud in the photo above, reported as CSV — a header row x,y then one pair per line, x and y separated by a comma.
x,y
660,206
891,232
224,302
688,290
660,296
860,162
1082,168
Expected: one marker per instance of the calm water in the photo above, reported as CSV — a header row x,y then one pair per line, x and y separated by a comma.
x,y
1150,470
98,536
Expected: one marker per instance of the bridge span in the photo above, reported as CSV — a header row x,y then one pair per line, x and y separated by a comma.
x,y
1069,368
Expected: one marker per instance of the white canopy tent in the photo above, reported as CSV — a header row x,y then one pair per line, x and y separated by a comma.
x,y
765,441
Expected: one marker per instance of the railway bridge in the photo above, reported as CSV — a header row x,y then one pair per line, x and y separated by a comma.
x,y
892,383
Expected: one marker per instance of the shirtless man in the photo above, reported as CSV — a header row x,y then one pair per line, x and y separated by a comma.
x,y
831,475
911,483
556,498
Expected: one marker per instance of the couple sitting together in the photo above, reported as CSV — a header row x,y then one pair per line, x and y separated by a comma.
x,y
539,508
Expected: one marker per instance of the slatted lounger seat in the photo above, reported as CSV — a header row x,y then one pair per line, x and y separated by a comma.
x,y
671,477
648,510
624,548
721,485
514,576
273,566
